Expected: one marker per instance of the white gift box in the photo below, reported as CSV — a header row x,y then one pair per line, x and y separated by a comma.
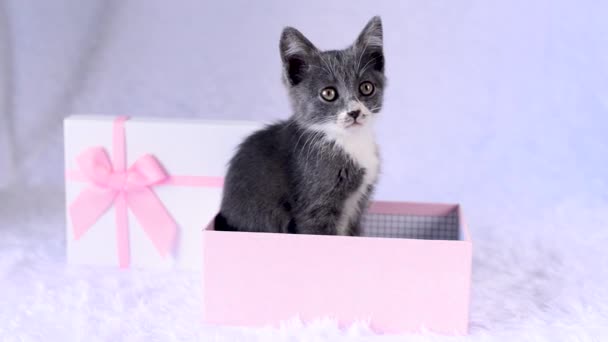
x,y
148,212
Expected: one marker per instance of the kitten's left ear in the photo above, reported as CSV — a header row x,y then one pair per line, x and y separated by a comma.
x,y
369,43
296,53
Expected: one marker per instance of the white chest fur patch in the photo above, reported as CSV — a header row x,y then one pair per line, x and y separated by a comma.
x,y
361,146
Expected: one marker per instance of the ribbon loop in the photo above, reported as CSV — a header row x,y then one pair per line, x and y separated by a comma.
x,y
95,165
146,171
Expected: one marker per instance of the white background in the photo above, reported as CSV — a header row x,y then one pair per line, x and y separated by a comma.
x,y
488,102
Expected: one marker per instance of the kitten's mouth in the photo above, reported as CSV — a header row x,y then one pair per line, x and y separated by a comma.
x,y
354,123
353,119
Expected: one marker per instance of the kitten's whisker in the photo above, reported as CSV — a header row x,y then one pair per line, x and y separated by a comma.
x,y
310,143
304,148
319,135
303,132
300,138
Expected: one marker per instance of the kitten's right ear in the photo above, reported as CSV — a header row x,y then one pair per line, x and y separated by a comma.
x,y
296,52
369,44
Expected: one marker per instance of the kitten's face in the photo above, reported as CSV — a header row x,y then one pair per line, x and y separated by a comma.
x,y
335,90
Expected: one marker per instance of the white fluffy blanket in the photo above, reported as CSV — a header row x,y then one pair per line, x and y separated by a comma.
x,y
542,280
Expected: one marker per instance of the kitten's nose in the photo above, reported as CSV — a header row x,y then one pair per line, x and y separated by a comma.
x,y
354,114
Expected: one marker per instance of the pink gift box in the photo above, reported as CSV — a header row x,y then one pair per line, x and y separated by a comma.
x,y
409,272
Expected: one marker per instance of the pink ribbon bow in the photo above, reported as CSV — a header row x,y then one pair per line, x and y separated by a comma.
x,y
123,189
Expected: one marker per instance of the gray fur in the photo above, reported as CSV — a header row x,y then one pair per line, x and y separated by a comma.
x,y
288,177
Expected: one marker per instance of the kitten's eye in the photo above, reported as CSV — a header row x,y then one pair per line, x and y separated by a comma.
x,y
329,94
366,88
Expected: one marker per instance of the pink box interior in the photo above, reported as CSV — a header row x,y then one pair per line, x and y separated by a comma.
x,y
409,272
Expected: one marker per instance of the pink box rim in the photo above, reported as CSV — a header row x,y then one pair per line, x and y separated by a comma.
x,y
395,207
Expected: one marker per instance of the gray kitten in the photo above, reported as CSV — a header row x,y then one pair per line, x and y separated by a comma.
x,y
313,173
